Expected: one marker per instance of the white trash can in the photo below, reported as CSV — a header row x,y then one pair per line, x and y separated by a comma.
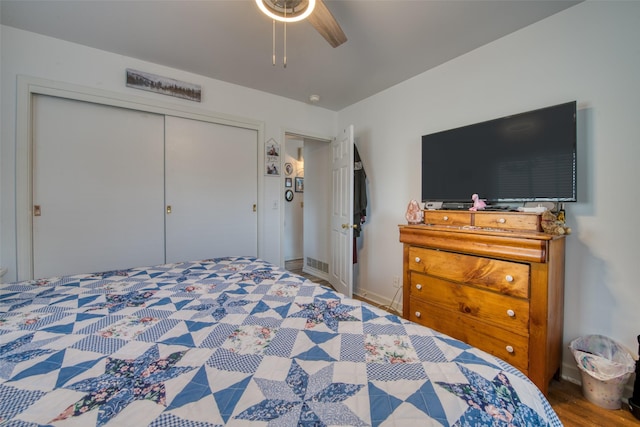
x,y
605,367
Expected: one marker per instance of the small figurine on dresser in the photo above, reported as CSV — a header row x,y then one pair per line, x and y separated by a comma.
x,y
551,224
478,203
414,213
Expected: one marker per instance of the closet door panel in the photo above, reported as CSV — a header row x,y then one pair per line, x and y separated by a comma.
x,y
99,181
211,188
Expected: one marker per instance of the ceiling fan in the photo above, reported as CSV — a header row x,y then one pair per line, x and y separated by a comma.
x,y
315,11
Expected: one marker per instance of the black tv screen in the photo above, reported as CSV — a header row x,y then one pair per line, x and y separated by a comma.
x,y
524,157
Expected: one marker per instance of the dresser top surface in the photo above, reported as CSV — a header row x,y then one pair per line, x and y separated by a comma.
x,y
521,234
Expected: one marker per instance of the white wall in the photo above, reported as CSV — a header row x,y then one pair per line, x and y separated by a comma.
x,y
30,54
589,53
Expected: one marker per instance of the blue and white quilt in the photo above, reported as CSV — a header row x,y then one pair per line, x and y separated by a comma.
x,y
237,342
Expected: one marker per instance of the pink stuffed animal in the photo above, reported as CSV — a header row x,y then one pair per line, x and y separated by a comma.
x,y
478,204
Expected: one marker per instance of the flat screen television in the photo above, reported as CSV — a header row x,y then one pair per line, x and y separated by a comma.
x,y
524,157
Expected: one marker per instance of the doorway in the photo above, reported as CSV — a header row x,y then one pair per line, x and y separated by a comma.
x,y
293,168
306,218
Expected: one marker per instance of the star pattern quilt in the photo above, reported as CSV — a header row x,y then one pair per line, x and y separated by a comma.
x,y
237,342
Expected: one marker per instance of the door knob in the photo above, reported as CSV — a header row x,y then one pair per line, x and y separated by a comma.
x,y
168,209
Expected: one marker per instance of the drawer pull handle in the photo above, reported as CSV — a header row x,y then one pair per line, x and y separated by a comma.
x,y
418,259
418,286
418,314
509,278
445,218
511,313
501,221
509,349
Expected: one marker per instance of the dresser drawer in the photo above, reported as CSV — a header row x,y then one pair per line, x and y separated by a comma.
x,y
509,278
508,221
447,218
500,310
506,345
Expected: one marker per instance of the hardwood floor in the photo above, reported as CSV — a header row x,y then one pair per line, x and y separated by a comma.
x,y
575,411
296,265
565,397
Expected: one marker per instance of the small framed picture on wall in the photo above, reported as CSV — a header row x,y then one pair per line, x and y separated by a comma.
x,y
299,184
287,183
272,158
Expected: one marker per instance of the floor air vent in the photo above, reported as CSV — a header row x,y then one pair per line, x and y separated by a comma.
x,y
318,265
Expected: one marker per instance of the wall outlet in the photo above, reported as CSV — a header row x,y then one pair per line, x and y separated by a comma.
x,y
396,282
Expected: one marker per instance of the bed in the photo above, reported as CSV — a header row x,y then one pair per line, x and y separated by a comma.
x,y
237,341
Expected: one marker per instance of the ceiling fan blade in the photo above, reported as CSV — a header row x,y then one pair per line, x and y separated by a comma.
x,y
324,22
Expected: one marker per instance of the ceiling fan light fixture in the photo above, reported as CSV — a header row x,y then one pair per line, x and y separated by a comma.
x,y
286,10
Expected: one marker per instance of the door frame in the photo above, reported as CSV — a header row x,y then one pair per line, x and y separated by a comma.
x,y
28,87
303,135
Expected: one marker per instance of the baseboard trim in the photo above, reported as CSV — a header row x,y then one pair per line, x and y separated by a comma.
x,y
381,300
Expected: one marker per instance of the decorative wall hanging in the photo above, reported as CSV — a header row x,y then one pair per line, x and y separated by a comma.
x,y
163,85
272,158
288,169
288,195
287,183
299,184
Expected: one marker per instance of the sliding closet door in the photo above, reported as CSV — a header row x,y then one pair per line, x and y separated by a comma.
x,y
97,187
211,190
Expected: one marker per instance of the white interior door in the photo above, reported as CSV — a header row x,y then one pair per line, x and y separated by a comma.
x,y
341,266
211,189
98,185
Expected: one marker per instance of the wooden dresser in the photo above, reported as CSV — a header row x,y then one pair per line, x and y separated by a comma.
x,y
492,280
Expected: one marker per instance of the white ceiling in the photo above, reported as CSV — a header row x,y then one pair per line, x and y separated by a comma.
x,y
389,41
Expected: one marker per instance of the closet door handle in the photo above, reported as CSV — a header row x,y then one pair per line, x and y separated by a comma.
x,y
168,209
